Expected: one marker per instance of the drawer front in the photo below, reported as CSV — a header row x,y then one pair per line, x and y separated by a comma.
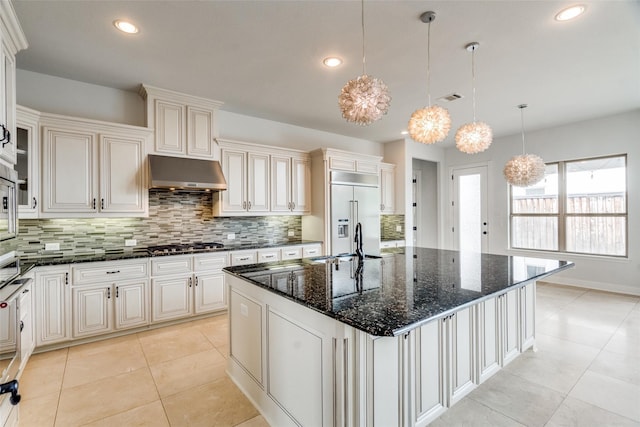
x,y
171,265
385,245
311,251
269,255
108,272
291,253
210,262
243,258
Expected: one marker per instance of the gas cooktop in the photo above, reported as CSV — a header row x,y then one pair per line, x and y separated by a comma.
x,y
184,248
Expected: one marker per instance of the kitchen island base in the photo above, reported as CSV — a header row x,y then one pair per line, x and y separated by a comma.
x,y
301,367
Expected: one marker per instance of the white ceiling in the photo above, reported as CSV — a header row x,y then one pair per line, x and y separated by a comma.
x,y
264,58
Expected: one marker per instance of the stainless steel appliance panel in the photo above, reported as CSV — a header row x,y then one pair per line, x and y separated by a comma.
x,y
341,219
8,203
368,214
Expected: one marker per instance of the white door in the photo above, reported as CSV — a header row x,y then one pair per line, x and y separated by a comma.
x,y
470,218
170,132
122,180
280,184
301,186
92,311
8,111
234,168
461,348
69,171
510,325
209,293
131,303
200,132
171,298
53,307
258,182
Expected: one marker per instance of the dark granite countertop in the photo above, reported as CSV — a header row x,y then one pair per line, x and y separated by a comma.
x,y
400,291
142,252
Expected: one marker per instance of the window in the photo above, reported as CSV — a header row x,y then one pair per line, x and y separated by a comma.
x,y
580,206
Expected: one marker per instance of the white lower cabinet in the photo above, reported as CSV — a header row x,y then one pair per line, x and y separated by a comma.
x,y
186,285
527,316
52,296
109,307
509,326
109,296
460,351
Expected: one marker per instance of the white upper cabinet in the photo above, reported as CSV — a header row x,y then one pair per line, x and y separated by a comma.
x,y
262,180
387,188
28,161
91,168
184,125
12,40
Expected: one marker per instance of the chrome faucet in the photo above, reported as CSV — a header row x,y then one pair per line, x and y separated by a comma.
x,y
358,241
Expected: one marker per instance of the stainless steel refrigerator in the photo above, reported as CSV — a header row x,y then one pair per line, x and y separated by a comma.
x,y
355,198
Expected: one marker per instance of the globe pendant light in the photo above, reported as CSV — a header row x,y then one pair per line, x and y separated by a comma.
x,y
527,169
429,124
473,137
365,99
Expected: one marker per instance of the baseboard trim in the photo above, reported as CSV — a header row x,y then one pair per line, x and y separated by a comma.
x,y
599,286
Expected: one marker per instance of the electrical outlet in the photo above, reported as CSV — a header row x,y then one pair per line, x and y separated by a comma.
x,y
231,236
130,242
398,228
52,246
291,233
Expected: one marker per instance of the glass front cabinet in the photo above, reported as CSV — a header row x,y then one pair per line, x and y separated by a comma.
x,y
27,165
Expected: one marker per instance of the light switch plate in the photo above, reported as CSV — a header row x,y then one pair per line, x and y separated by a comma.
x,y
130,242
52,246
291,233
398,228
231,236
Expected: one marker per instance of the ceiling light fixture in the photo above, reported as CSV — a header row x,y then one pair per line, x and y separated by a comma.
x,y
473,137
365,99
332,61
527,169
430,124
570,12
125,26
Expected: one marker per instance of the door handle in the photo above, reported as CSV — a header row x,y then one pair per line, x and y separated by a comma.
x,y
249,204
108,293
35,203
94,203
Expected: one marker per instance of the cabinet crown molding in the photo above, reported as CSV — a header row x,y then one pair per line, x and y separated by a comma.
x,y
334,152
147,91
96,126
17,39
253,147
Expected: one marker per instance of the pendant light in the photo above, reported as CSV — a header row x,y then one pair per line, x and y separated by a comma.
x,y
365,99
473,137
527,169
430,124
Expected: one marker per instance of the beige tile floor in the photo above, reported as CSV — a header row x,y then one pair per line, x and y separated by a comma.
x,y
586,372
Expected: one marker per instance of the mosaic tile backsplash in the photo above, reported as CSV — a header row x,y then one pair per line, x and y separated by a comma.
x,y
388,227
174,217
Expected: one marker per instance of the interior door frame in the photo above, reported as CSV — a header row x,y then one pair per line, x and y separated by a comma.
x,y
484,169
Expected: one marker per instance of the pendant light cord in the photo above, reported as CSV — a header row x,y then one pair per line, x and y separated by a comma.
x,y
522,107
429,63
473,81
364,62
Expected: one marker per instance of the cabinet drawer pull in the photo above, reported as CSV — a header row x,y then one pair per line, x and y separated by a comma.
x,y
117,291
268,256
196,280
244,258
291,253
101,203
66,278
35,203
249,204
190,281
94,203
113,272
312,251
108,293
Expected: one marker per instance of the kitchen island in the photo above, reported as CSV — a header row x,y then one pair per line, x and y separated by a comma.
x,y
390,341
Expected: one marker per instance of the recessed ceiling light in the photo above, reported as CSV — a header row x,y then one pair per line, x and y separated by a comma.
x,y
332,61
570,12
125,26
404,132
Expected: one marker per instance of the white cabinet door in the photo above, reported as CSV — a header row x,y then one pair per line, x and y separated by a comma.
x,y
122,174
8,101
387,189
171,298
199,132
131,304
170,133
7,333
430,371
280,184
461,350
527,316
510,325
257,183
69,171
488,318
301,186
52,306
27,339
209,293
92,311
28,162
235,171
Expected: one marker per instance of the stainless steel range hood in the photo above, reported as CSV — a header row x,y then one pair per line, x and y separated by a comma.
x,y
185,174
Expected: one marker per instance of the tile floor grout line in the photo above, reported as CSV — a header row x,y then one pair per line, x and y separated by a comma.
x,y
64,372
